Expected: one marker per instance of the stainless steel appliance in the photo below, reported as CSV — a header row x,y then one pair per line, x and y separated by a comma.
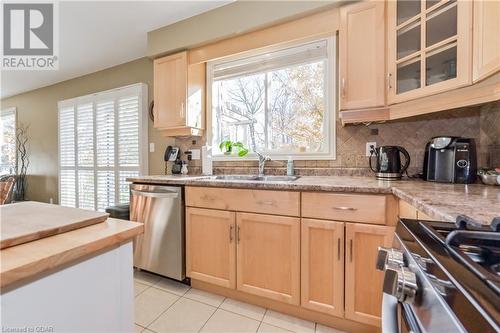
x,y
388,162
442,277
161,248
450,160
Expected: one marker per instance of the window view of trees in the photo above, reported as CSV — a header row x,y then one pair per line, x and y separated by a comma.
x,y
279,111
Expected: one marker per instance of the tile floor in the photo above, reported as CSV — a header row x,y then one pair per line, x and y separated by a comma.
x,y
163,305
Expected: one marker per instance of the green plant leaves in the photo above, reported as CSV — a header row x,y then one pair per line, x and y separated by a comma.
x,y
228,146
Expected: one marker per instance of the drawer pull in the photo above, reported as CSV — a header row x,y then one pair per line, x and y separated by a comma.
x,y
238,234
231,234
266,202
344,208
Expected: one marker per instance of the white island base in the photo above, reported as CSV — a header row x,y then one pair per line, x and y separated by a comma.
x,y
94,294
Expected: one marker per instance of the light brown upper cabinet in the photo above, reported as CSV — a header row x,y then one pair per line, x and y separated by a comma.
x,y
322,266
363,283
268,256
486,40
362,55
179,96
211,246
429,47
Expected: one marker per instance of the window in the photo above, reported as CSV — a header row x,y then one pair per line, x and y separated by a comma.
x,y
279,101
8,162
102,141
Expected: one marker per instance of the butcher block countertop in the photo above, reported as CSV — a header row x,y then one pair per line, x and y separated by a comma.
x,y
20,263
443,202
30,220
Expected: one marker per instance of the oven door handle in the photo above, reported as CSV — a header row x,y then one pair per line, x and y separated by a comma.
x,y
389,314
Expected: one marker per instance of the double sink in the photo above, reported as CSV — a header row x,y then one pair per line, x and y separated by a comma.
x,y
257,178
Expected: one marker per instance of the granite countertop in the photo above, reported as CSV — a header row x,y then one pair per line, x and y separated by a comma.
x,y
443,202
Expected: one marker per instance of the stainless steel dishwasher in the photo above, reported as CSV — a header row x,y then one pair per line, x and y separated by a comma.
x,y
161,248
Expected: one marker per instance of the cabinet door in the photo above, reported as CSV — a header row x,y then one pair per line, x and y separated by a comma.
x,y
429,47
170,91
322,266
363,283
486,48
211,246
268,256
362,55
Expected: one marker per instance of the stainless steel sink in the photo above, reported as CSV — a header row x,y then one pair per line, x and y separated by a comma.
x,y
258,178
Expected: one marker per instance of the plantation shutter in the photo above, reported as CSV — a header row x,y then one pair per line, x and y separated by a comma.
x,y
102,141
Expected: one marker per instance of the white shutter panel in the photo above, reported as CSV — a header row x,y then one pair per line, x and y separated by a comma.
x,y
67,188
124,194
99,146
128,131
105,133
105,189
86,190
67,137
85,135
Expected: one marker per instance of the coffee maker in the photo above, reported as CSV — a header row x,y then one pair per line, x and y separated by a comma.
x,y
450,160
388,166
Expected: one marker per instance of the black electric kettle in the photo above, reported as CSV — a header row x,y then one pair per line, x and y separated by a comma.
x,y
388,164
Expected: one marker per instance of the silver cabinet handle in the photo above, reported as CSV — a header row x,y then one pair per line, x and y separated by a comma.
x,y
343,87
152,194
338,249
389,77
266,202
344,208
350,249
182,113
231,233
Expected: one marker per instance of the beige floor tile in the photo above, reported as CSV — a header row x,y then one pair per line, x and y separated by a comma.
x,y
138,329
288,322
244,309
172,286
204,297
150,304
139,288
224,321
145,277
325,329
266,328
184,316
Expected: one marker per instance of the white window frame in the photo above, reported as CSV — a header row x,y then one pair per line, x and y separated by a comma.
x,y
330,98
13,110
95,98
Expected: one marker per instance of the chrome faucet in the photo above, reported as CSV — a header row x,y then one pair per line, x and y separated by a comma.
x,y
262,162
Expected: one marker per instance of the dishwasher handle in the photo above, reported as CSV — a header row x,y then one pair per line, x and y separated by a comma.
x,y
156,194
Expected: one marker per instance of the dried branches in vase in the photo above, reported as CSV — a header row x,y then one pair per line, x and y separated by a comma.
x,y
23,162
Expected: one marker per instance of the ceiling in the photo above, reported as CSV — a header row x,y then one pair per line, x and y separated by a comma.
x,y
94,35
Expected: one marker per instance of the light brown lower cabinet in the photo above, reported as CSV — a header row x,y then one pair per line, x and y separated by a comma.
x,y
268,256
363,283
211,246
322,266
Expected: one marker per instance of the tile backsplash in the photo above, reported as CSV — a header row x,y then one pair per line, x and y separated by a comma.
x,y
480,122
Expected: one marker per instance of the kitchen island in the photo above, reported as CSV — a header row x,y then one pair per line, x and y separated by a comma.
x,y
73,281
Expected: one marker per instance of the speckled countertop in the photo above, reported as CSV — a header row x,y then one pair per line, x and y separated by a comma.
x,y
442,202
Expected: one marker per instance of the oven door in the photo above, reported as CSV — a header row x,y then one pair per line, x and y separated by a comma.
x,y
397,317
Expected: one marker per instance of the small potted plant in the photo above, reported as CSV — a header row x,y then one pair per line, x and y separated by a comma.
x,y
229,147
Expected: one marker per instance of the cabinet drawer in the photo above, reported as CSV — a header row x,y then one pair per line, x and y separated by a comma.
x,y
255,201
345,207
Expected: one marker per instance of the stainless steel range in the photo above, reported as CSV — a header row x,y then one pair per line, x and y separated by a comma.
x,y
442,277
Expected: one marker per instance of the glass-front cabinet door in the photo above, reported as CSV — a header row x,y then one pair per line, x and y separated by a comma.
x,y
429,47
